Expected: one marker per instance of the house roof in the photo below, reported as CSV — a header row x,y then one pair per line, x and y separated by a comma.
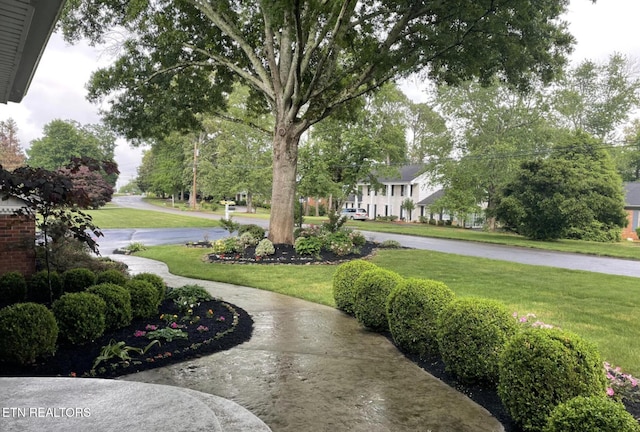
x,y
407,173
431,198
25,28
632,195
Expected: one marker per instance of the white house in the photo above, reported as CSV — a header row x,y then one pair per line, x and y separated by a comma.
x,y
412,182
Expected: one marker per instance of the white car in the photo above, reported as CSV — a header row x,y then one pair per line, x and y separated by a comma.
x,y
354,213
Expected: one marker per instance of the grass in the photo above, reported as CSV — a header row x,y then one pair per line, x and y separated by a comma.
x,y
117,217
601,308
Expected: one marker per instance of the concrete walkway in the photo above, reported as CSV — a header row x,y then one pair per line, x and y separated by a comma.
x,y
310,367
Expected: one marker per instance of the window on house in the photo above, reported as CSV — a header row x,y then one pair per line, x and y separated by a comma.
x,y
392,191
401,190
411,190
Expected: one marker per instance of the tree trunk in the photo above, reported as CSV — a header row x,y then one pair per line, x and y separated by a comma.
x,y
317,206
283,192
249,202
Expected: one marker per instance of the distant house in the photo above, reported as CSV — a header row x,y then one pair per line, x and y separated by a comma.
x,y
632,207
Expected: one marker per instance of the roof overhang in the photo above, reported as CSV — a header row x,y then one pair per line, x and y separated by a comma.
x,y
25,28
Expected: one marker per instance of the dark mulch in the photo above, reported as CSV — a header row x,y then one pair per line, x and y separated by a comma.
x,y
286,254
228,327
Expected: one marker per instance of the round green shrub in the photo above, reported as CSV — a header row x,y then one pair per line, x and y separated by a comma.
x,y
78,279
343,283
591,414
256,231
38,287
192,291
13,288
471,335
371,291
80,317
413,308
156,281
118,304
541,368
29,330
144,298
264,248
111,276
308,246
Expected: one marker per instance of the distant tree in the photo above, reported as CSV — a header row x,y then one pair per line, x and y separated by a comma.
x,y
428,133
574,193
11,154
302,60
627,154
130,188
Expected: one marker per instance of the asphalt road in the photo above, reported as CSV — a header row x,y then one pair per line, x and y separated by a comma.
x,y
115,238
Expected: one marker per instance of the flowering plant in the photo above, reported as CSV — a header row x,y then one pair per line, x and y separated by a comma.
x,y
139,333
202,329
621,385
530,320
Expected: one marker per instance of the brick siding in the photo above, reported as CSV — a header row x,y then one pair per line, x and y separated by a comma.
x,y
17,244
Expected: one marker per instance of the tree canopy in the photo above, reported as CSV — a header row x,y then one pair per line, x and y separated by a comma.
x,y
302,60
11,154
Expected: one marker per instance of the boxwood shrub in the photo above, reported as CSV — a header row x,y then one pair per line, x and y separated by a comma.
x,y
371,291
256,231
541,368
156,281
413,308
591,414
343,283
111,276
118,304
472,333
29,330
13,288
144,298
196,292
38,287
80,317
78,279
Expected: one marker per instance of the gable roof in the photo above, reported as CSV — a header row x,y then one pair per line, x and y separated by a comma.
x,y
25,28
431,198
407,173
632,195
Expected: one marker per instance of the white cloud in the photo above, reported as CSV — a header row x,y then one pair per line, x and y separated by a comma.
x,y
58,88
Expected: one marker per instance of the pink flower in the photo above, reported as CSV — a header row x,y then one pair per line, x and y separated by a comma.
x,y
174,325
139,333
610,391
151,327
523,319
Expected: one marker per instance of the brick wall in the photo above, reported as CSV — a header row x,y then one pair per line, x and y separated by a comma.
x,y
17,244
630,230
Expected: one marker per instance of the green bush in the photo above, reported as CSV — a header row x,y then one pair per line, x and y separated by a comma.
x,y
541,368
13,288
38,287
339,243
111,276
144,298
413,308
156,281
118,304
471,335
343,283
308,246
372,289
264,248
29,330
257,232
80,317
357,239
591,414
192,291
78,279
247,239
390,244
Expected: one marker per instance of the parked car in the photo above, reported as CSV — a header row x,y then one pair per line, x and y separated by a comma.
x,y
354,213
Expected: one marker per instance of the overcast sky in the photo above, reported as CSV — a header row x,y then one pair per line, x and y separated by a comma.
x,y
58,88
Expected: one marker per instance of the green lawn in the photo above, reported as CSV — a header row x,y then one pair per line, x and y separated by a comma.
x,y
117,217
601,308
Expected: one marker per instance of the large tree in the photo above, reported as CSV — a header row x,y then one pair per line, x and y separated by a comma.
x,y
11,154
302,59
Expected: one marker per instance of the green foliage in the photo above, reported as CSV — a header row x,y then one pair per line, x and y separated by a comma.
x,y
335,222
78,279
574,193
413,309
264,248
38,287
229,225
112,276
196,291
390,244
144,298
591,414
308,246
29,331
372,289
117,304
247,239
121,351
339,243
80,317
156,281
540,368
357,238
471,335
256,231
343,283
135,247
13,288
167,334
